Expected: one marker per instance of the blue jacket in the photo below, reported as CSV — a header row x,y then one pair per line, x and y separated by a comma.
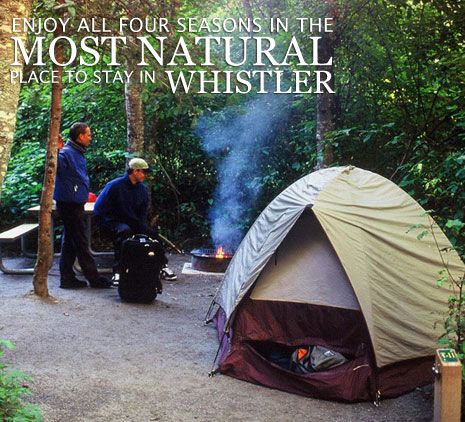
x,y
72,182
123,202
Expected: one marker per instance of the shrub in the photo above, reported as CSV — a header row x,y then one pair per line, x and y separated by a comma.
x,y
12,388
23,182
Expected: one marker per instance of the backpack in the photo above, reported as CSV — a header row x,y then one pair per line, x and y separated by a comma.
x,y
322,358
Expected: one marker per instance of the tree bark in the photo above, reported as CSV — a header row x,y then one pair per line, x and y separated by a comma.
x,y
325,102
45,242
134,107
9,90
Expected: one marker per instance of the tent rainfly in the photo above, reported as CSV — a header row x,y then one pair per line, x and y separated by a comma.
x,y
335,260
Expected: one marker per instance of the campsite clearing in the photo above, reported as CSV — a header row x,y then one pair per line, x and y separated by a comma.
x,y
94,358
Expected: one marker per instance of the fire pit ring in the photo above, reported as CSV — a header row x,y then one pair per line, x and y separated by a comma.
x,y
208,260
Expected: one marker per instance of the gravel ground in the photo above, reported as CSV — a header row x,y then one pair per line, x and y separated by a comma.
x,y
94,358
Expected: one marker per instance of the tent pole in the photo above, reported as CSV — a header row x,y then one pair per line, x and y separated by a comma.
x,y
214,370
208,317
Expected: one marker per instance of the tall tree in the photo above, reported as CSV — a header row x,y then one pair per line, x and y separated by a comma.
x,y
133,101
325,100
133,87
9,90
45,244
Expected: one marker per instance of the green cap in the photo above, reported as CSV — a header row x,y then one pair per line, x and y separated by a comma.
x,y
138,164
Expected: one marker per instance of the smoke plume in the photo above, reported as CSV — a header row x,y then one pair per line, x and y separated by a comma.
x,y
237,138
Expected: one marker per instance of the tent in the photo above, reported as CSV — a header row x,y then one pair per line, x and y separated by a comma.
x,y
345,259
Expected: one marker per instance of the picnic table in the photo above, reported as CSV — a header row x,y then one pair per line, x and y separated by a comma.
x,y
88,211
23,230
18,232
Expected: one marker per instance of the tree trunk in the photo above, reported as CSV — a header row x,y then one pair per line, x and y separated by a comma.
x,y
9,90
325,101
45,242
134,108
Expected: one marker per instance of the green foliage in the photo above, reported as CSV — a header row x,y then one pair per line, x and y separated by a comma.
x,y
440,185
183,177
399,111
13,388
23,182
454,321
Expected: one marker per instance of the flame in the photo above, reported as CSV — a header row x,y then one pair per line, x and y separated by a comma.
x,y
220,253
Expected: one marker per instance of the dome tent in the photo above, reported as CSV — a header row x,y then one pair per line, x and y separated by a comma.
x,y
333,261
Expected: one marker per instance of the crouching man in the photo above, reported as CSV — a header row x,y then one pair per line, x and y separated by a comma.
x,y
121,210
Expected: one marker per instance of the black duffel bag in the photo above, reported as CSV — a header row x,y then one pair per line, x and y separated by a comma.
x,y
142,259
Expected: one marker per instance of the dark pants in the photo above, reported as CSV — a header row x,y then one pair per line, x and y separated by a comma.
x,y
119,232
74,242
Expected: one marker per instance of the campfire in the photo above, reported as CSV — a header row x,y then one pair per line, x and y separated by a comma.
x,y
211,260
220,254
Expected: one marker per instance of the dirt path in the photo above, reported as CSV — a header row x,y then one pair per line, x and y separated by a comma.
x,y
94,358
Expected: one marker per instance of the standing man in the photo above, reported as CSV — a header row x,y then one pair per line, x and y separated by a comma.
x,y
71,192
122,207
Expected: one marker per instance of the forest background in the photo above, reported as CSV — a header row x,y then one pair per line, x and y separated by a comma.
x,y
398,110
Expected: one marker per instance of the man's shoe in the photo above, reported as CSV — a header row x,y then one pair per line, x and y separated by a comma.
x,y
168,274
115,279
101,283
72,283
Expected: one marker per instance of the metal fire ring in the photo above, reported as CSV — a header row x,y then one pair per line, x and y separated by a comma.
x,y
205,260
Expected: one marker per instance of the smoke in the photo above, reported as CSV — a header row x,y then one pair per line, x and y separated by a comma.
x,y
238,139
